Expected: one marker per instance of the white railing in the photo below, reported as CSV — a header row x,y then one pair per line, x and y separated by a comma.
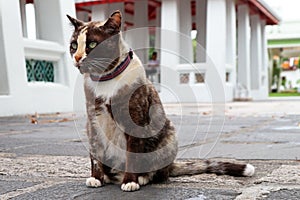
x,y
188,82
191,73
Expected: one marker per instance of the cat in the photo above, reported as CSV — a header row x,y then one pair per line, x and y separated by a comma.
x,y
132,142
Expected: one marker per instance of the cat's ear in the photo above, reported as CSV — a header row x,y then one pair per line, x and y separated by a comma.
x,y
113,24
75,22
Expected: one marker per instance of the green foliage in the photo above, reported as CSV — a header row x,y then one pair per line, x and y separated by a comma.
x,y
284,94
151,50
276,72
194,43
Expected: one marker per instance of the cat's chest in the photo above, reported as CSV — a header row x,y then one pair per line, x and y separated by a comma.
x,y
106,89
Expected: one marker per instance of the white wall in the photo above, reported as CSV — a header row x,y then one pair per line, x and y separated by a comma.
x,y
20,96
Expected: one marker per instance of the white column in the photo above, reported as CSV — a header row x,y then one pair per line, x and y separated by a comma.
x,y
169,46
201,18
53,26
186,47
100,12
12,70
157,31
49,21
140,42
216,39
38,97
231,39
244,47
256,51
170,29
23,17
264,47
265,61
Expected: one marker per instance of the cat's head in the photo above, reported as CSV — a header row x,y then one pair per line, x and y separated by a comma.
x,y
94,46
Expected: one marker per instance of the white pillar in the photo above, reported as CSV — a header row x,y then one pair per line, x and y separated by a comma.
x,y
37,96
50,23
216,39
244,47
140,42
12,70
23,17
170,29
157,31
265,61
265,57
201,18
186,47
52,26
256,51
100,12
169,45
231,39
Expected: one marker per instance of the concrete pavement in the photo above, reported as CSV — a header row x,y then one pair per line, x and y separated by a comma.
x,y
49,160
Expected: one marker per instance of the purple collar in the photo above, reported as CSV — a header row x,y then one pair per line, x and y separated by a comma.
x,y
117,71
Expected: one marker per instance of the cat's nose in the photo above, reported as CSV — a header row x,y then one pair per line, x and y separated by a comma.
x,y
77,57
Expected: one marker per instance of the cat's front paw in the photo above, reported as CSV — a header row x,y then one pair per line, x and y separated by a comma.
x,y
143,180
130,187
92,182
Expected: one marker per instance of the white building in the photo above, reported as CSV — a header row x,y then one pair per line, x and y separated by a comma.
x,y
36,75
231,58
284,43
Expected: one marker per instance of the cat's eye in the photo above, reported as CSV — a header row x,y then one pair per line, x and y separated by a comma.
x,y
74,45
92,45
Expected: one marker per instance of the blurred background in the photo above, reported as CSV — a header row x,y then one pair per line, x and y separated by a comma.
x,y
253,46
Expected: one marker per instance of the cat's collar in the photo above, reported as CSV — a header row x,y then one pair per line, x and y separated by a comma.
x,y
117,71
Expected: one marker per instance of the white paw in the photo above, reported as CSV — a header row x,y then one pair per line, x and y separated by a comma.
x,y
143,180
249,170
129,187
106,179
92,182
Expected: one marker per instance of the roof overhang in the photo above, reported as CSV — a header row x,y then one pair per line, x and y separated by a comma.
x,y
263,9
256,7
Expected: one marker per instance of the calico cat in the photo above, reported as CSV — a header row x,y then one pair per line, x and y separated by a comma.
x,y
132,142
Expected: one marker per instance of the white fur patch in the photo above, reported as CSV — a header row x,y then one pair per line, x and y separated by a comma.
x,y
81,42
106,179
92,182
109,88
249,170
129,187
143,180
106,89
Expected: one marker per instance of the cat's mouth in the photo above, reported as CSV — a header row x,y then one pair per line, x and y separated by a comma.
x,y
81,68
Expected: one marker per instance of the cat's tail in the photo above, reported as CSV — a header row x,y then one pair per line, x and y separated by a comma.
x,y
191,167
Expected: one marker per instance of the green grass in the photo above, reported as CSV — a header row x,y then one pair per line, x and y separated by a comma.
x,y
285,94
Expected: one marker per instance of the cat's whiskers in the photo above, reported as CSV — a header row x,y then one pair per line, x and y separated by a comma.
x,y
98,63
